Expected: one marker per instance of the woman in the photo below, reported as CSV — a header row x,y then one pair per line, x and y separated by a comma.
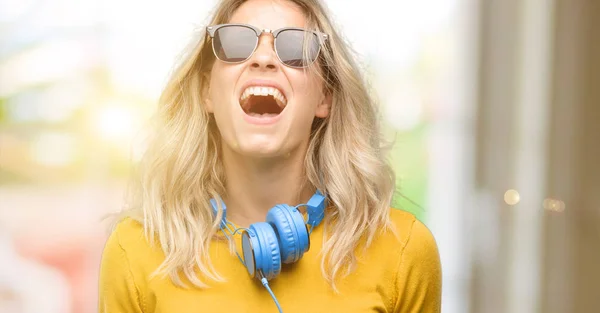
x,y
265,187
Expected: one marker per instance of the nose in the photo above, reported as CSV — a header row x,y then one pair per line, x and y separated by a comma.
x,y
264,58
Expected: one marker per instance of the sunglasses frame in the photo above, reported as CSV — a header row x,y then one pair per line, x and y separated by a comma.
x,y
211,30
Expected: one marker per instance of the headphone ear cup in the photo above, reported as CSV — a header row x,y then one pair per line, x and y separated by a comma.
x,y
261,250
291,231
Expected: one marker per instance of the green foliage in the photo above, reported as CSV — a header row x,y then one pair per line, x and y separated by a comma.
x,y
3,113
409,159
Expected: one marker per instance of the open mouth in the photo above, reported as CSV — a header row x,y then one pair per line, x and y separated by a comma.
x,y
262,101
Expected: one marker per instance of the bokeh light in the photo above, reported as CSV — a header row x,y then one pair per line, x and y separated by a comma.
x,y
115,122
554,205
512,197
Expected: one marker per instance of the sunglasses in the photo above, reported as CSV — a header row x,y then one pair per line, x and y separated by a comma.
x,y
236,43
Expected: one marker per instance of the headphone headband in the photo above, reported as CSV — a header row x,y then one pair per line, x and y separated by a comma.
x,y
315,208
215,209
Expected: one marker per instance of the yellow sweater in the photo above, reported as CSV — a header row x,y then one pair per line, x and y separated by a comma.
x,y
394,275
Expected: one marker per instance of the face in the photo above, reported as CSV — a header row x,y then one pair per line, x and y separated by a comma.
x,y
268,126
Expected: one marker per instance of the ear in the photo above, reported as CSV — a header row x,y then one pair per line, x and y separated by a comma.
x,y
206,94
208,103
324,107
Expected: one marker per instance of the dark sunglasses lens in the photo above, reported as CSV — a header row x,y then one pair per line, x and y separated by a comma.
x,y
297,48
234,43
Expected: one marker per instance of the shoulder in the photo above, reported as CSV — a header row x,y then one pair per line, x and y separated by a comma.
x,y
418,277
415,239
127,260
405,241
406,231
127,246
127,233
405,257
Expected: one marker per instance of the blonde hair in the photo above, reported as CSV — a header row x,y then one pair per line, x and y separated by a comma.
x,y
181,169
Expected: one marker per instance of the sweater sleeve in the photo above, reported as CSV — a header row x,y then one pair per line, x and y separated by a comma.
x,y
118,291
419,278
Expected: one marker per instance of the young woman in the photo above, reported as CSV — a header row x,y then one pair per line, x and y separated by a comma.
x,y
265,187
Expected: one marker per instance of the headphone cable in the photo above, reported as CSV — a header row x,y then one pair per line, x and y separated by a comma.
x,y
265,283
263,280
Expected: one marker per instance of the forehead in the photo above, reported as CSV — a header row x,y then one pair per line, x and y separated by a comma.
x,y
271,14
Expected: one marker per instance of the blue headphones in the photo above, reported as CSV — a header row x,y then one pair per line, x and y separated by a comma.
x,y
282,238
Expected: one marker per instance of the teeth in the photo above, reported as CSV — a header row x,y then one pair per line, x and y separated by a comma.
x,y
264,91
261,115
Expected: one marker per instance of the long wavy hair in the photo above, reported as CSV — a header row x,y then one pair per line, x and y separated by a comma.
x,y
181,169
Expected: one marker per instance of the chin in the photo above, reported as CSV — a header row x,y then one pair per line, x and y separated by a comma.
x,y
261,148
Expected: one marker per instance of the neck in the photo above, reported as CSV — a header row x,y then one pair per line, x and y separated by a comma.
x,y
256,185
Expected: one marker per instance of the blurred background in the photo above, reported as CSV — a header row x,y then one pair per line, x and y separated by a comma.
x,y
493,106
